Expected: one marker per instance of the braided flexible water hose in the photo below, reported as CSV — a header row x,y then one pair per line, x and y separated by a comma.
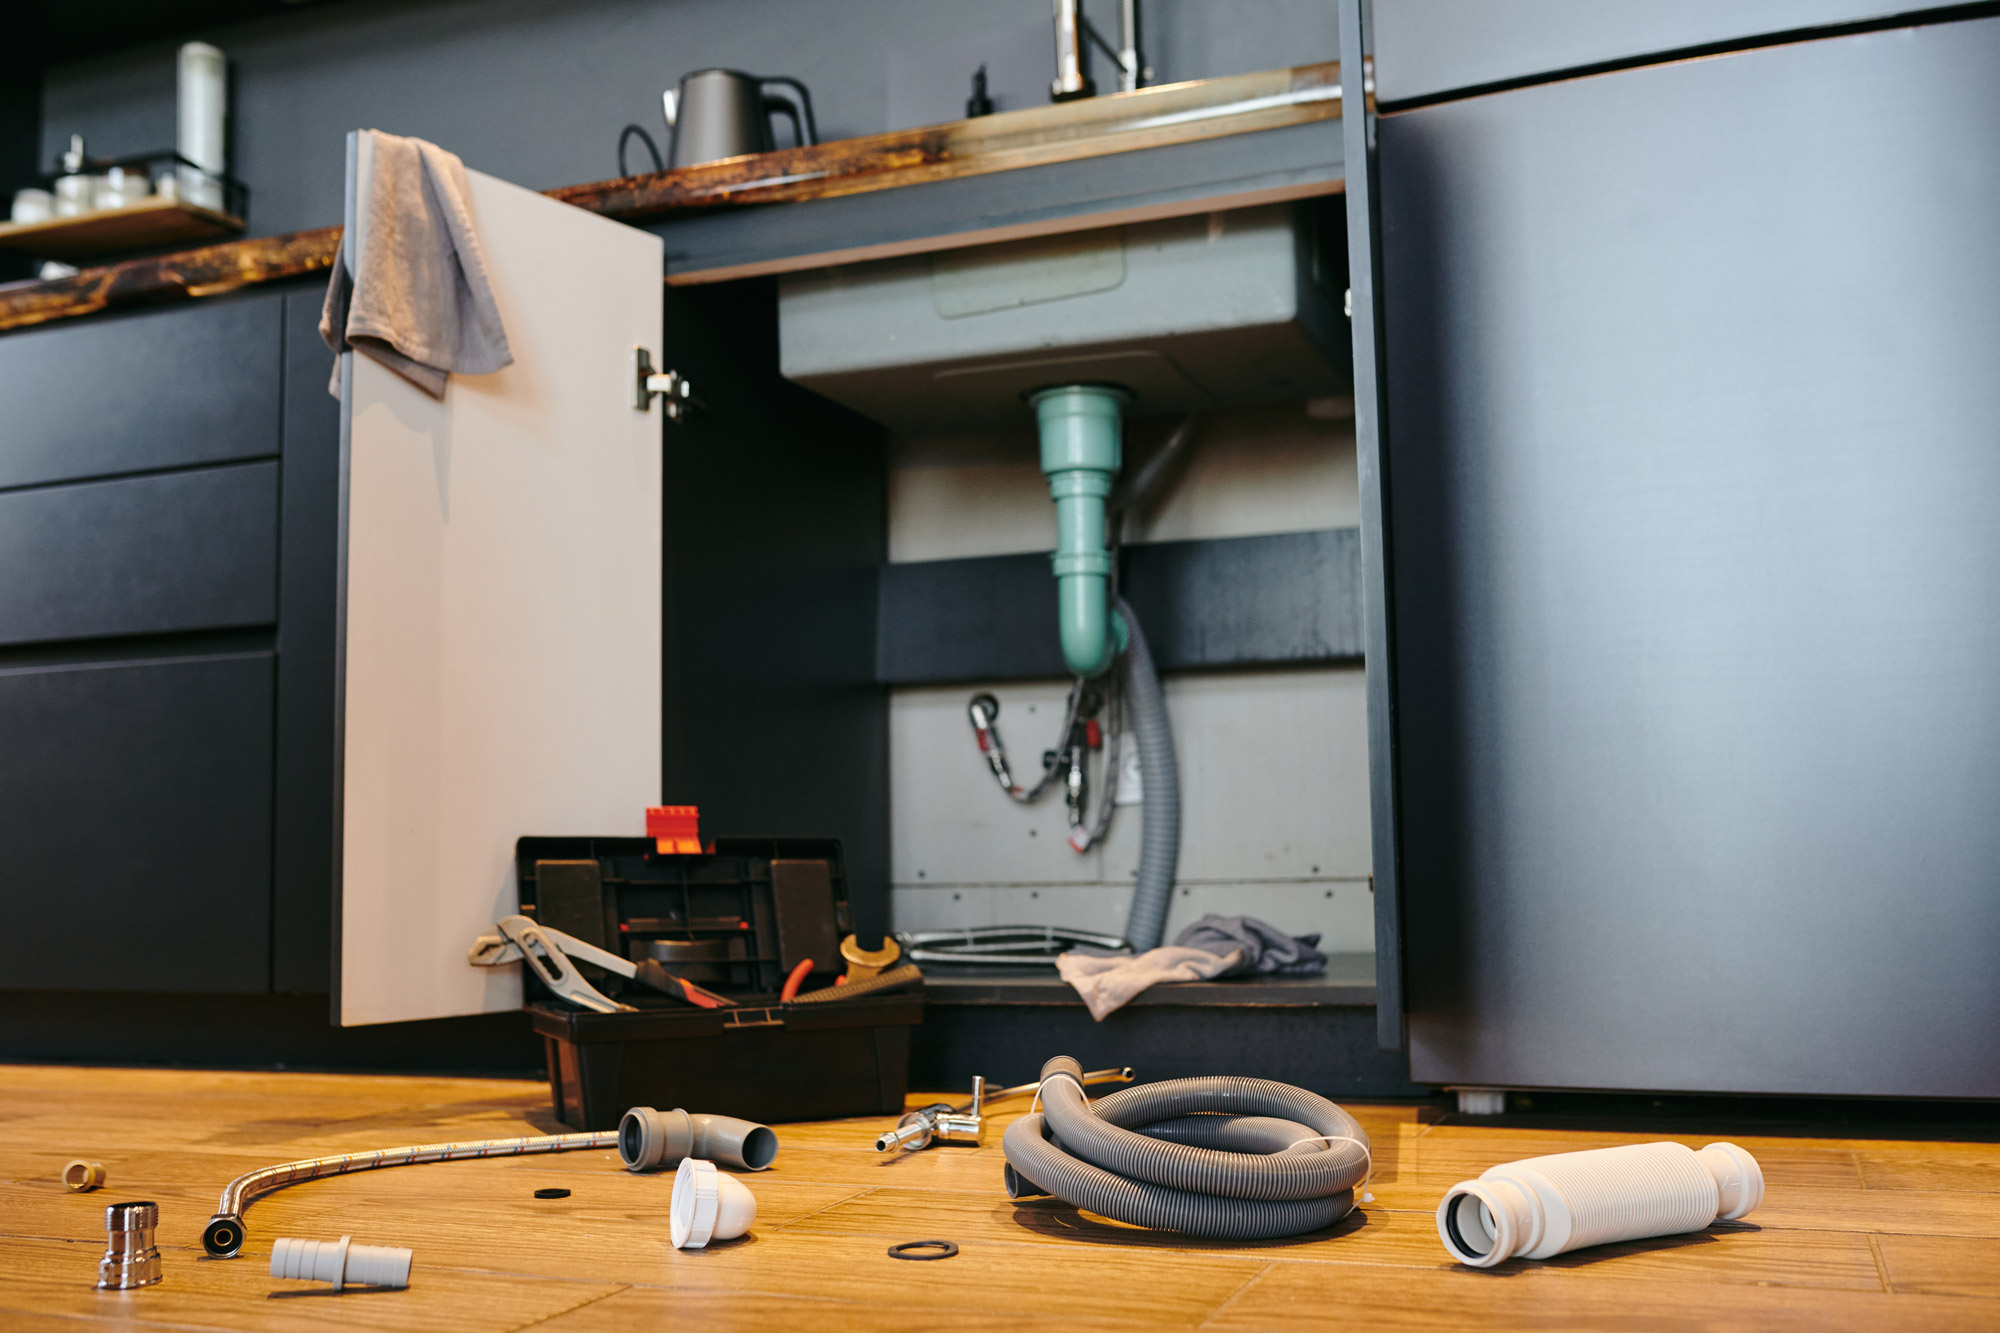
x,y
1224,1158
223,1236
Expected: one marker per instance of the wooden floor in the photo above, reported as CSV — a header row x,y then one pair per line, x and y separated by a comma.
x,y
1853,1233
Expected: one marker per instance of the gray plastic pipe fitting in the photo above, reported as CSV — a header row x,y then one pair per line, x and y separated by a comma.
x,y
649,1139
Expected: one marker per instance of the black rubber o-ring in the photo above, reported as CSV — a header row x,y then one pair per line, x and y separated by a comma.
x,y
908,1249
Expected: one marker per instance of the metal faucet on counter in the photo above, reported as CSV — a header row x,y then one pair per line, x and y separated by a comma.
x,y
963,1126
1073,30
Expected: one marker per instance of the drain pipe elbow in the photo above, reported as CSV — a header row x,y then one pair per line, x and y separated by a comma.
x,y
1080,453
649,1139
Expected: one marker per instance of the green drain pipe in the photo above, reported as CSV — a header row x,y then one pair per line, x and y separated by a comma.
x,y
1080,455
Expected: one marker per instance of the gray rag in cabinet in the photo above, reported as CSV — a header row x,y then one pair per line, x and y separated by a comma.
x,y
422,303
1210,949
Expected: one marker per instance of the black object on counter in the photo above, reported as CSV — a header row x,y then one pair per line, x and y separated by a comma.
x,y
979,104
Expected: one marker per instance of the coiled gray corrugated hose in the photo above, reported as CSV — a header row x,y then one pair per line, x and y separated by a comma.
x,y
1160,810
1224,1158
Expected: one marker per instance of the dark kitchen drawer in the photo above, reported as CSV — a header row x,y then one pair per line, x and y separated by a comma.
x,y
135,825
99,397
142,555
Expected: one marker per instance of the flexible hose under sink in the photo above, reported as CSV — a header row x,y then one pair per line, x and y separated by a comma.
x,y
1222,1158
1159,778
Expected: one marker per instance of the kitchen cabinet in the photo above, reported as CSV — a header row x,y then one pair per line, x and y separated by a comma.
x,y
144,392
178,628
135,803
191,550
154,529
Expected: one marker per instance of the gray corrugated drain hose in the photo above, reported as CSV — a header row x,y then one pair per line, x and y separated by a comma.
x,y
1224,1158
1160,810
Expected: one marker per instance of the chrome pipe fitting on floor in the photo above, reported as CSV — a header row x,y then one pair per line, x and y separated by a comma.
x,y
965,1126
130,1257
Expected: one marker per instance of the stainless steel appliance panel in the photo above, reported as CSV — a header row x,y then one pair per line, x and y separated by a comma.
x,y
1694,476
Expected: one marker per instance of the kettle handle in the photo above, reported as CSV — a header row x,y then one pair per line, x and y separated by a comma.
x,y
811,135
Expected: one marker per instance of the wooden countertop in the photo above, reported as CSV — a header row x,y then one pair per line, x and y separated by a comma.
x,y
1007,141
1854,1232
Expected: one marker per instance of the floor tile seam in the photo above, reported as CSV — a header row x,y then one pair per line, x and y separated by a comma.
x,y
1042,1246
1903,1294
522,1274
1881,1264
920,1301
845,1199
1234,1296
986,1190
119,1320
1233,1256
1806,1227
1568,1273
572,1309
1273,1255
1560,1273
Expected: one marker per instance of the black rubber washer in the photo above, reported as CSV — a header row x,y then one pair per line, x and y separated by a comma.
x,y
551,1194
909,1249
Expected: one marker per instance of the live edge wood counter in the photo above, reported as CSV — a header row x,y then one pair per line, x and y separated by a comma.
x,y
1160,117
1852,1234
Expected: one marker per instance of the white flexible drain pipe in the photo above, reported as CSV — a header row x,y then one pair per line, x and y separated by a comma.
x,y
1545,1206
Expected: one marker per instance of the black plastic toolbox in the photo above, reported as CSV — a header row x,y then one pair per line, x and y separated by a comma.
x,y
763,905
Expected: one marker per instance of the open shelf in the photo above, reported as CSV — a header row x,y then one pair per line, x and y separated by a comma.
x,y
145,225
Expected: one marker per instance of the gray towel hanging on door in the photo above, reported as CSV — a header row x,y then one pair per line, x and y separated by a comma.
x,y
422,303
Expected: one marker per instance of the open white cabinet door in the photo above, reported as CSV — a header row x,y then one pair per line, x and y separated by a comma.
x,y
499,642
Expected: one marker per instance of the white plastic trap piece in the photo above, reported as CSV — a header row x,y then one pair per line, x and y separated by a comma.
x,y
708,1205
1545,1206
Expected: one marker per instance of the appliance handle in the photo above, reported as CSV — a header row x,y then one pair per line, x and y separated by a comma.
x,y
782,106
805,105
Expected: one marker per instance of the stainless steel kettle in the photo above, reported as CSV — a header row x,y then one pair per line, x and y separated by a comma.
x,y
718,113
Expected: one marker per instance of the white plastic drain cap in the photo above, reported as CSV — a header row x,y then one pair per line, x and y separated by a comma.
x,y
709,1205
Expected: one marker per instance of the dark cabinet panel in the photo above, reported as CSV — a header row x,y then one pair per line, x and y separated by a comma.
x,y
142,555
772,715
97,397
135,820
302,858
1692,405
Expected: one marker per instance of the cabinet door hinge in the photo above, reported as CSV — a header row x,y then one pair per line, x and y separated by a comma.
x,y
670,386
